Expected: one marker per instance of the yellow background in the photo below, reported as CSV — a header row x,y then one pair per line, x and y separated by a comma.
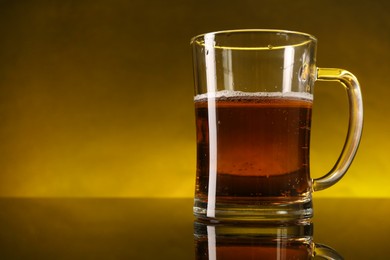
x,y
96,96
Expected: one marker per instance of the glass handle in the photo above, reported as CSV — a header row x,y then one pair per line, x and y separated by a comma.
x,y
326,252
351,84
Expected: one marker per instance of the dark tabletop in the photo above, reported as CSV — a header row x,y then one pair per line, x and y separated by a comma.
x,y
100,228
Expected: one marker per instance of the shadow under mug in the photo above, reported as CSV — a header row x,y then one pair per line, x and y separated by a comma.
x,y
253,103
247,241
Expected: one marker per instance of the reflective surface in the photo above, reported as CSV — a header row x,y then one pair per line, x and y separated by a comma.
x,y
164,229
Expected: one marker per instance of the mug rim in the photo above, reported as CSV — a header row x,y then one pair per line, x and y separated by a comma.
x,y
201,38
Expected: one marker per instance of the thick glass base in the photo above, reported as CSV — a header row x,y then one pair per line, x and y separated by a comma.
x,y
268,210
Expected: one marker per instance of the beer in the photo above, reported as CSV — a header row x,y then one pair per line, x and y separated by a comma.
x,y
257,145
247,249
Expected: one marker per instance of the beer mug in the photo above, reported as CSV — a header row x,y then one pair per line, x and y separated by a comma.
x,y
247,241
253,103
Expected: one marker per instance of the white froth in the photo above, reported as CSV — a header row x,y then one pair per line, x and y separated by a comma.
x,y
235,94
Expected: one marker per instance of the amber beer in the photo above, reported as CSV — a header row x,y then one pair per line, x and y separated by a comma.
x,y
248,249
262,146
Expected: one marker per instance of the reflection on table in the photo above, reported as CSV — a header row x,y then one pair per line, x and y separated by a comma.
x,y
251,240
165,229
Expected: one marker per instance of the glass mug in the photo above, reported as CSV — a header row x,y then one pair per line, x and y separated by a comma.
x,y
253,103
246,241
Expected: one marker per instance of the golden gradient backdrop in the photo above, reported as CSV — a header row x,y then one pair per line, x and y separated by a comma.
x,y
96,96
